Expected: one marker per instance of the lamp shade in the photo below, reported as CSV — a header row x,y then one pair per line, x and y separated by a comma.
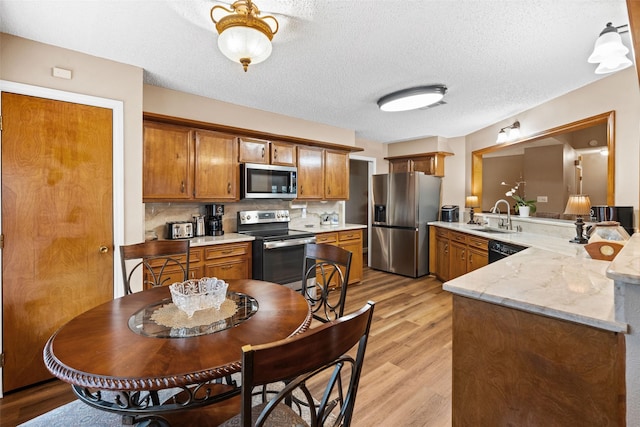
x,y
578,204
608,44
471,202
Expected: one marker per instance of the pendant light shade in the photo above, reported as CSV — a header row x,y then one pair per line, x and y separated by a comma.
x,y
609,52
413,98
244,36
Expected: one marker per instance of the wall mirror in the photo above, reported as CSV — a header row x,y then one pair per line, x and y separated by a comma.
x,y
576,158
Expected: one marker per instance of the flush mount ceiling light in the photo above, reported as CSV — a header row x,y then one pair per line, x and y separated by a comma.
x,y
609,52
244,36
413,98
509,133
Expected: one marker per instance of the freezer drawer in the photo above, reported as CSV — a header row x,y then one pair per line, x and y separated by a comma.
x,y
403,251
380,248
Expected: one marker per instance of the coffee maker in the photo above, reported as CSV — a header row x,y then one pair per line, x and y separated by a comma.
x,y
213,220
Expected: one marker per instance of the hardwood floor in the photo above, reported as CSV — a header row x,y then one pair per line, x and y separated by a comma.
x,y
406,379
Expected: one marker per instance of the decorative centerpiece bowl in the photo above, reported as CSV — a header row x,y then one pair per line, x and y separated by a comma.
x,y
199,294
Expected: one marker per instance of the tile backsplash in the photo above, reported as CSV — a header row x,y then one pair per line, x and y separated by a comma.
x,y
158,214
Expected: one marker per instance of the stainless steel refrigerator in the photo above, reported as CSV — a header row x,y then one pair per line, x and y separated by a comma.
x,y
403,204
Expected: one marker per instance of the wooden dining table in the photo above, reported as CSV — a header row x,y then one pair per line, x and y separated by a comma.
x,y
117,359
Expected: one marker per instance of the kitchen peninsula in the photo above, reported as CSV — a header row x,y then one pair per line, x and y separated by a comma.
x,y
536,339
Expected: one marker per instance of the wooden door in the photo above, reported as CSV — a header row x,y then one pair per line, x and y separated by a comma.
x,y
442,258
336,171
167,162
57,222
457,260
283,154
217,173
310,173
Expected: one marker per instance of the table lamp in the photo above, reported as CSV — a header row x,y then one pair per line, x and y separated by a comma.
x,y
578,205
471,202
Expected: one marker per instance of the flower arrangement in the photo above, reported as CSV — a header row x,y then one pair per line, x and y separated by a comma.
x,y
520,200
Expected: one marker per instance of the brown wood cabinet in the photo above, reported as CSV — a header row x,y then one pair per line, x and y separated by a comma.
x,y
283,154
183,164
458,253
224,261
168,162
429,163
253,151
350,240
322,174
228,261
266,152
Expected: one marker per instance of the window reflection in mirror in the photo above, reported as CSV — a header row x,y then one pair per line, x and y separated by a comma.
x,y
577,158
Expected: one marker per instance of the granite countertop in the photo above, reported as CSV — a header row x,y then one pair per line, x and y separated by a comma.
x,y
552,277
327,228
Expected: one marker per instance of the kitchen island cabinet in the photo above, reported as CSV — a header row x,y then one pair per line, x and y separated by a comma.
x,y
458,253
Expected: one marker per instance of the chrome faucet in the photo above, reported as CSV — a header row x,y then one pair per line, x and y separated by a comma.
x,y
495,208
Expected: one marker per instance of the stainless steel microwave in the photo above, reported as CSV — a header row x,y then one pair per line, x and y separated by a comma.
x,y
269,181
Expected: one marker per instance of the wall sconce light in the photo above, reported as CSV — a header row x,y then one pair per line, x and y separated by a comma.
x,y
471,202
578,205
609,52
244,36
412,98
509,133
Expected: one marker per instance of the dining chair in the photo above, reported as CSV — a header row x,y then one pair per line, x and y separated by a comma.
x,y
325,275
162,262
326,360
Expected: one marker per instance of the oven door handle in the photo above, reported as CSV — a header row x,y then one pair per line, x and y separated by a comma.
x,y
289,242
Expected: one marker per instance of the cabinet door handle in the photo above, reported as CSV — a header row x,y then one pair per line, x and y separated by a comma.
x,y
263,152
301,190
275,154
228,188
182,189
328,190
470,258
103,249
226,267
462,255
446,248
227,252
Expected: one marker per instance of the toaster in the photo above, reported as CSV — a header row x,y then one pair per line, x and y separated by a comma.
x,y
179,230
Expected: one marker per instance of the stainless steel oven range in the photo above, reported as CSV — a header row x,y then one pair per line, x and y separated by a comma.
x,y
278,252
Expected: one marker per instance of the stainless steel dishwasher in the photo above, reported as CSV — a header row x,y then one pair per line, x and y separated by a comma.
x,y
499,250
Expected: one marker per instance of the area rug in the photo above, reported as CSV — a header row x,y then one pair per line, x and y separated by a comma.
x,y
77,413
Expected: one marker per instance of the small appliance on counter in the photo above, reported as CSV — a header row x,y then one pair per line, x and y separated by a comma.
x,y
335,219
179,230
213,220
325,219
198,223
449,213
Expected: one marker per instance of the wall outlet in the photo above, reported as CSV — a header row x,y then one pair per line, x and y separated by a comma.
x,y
542,199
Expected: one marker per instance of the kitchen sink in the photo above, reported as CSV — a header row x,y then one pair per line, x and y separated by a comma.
x,y
493,230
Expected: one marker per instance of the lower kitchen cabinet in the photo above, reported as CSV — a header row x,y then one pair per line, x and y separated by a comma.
x,y
458,253
228,261
350,240
224,261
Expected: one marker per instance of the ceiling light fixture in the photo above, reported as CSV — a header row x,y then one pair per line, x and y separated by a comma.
x,y
509,133
412,98
244,36
609,52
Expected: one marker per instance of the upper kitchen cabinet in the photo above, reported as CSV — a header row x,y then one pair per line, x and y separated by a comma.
x,y
168,162
182,164
283,154
266,152
336,175
323,174
217,173
429,163
310,173
253,151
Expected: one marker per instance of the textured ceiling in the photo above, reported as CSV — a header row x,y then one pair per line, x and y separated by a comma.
x,y
332,59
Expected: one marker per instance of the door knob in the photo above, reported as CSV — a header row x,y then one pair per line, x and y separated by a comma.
x,y
104,249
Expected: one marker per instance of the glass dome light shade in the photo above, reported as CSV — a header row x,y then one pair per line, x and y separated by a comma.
x,y
238,43
613,64
608,44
